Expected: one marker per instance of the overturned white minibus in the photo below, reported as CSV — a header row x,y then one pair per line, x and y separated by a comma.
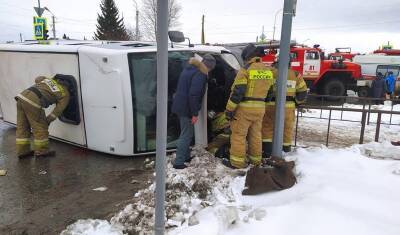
x,y
114,109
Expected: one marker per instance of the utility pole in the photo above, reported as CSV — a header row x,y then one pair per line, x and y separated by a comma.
x,y
162,97
137,36
203,40
53,18
284,49
54,26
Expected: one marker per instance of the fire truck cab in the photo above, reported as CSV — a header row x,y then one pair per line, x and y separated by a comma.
x,y
342,53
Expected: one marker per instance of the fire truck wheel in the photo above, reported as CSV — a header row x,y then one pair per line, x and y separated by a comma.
x,y
334,87
363,92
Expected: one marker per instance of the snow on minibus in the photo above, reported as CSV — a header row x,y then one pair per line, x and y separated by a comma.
x,y
113,109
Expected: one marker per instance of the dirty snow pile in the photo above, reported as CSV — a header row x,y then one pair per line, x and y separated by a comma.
x,y
339,191
187,192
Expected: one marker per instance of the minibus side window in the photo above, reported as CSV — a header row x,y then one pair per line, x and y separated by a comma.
x,y
143,72
71,114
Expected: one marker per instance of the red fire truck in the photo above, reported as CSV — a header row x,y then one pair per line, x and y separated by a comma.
x,y
323,76
342,53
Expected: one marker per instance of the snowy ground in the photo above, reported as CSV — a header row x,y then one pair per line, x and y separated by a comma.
x,y
352,190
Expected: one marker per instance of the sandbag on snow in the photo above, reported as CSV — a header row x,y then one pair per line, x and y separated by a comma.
x,y
277,175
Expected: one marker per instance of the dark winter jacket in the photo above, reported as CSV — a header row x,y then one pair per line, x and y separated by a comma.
x,y
191,88
379,87
390,81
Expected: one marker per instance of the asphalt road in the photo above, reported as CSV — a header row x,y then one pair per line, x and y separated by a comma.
x,y
43,196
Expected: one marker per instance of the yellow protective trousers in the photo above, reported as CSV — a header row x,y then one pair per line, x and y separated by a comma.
x,y
217,142
246,128
30,118
269,119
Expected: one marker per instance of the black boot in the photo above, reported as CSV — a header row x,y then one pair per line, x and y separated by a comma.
x,y
223,151
25,155
45,154
266,149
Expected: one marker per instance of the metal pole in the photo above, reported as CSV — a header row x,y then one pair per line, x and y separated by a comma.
x,y
38,5
54,26
284,50
364,116
378,127
329,128
203,40
162,97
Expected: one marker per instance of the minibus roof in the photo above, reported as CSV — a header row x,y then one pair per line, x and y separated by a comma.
x,y
72,46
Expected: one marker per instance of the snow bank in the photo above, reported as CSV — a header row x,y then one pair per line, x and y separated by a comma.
x,y
384,150
338,192
92,227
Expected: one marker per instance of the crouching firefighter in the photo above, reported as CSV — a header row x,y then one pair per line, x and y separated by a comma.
x,y
245,108
31,115
296,93
221,132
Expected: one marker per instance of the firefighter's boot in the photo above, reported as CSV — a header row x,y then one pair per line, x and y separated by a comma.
x,y
40,154
25,155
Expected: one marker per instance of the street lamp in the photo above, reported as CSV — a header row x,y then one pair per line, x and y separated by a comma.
x,y
54,22
276,15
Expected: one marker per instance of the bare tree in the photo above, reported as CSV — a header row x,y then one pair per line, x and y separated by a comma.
x,y
148,17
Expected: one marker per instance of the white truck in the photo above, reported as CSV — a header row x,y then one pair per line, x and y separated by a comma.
x,y
371,65
114,106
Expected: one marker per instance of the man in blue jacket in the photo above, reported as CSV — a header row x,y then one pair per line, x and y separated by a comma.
x,y
390,81
187,103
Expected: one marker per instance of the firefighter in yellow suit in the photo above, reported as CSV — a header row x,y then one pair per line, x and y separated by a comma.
x,y
296,93
246,108
220,128
30,115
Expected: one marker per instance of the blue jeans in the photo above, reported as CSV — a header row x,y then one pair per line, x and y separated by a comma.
x,y
184,141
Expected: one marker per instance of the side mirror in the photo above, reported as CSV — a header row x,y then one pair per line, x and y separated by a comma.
x,y
322,54
176,36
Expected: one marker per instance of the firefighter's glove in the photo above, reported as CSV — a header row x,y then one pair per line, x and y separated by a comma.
x,y
49,119
229,115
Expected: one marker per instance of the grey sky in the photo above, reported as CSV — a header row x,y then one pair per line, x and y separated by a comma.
x,y
362,24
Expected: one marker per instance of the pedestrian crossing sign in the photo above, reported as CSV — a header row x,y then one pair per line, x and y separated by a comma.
x,y
39,27
38,20
38,31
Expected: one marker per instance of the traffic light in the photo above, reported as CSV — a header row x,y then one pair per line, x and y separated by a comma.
x,y
45,34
